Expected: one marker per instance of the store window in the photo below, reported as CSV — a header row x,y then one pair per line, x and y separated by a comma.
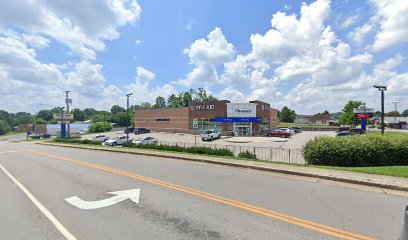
x,y
207,124
265,124
162,119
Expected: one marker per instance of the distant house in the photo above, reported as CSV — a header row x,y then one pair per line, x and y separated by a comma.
x,y
314,120
400,123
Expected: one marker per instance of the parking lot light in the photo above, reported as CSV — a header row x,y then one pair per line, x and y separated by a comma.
x,y
127,118
382,89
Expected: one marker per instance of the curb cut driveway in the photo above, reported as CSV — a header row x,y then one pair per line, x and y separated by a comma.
x,y
373,180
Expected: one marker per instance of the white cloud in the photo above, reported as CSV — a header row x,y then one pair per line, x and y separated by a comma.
x,y
143,74
393,23
81,25
232,94
236,71
138,41
359,33
350,21
205,54
189,24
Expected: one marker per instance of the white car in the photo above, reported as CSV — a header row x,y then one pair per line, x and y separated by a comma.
x,y
210,135
146,140
83,131
99,138
118,141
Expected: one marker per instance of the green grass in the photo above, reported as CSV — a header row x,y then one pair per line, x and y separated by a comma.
x,y
395,171
11,133
286,125
389,134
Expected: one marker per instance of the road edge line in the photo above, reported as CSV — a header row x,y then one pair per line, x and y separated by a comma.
x,y
267,169
58,225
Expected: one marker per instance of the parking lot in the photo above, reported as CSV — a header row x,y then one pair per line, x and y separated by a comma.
x,y
294,142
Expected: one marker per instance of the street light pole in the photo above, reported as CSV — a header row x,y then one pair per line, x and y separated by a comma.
x,y
395,114
127,119
382,89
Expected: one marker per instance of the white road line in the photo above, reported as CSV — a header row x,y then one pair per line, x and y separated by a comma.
x,y
9,151
41,207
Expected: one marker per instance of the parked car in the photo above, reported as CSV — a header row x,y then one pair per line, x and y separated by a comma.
x,y
279,133
117,141
146,140
343,134
138,131
83,131
356,131
129,130
210,135
296,129
99,138
288,130
343,129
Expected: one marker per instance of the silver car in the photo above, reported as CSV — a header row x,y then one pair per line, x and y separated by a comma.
x,y
100,138
146,140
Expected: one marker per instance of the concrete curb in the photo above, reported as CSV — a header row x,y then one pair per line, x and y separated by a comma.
x,y
240,165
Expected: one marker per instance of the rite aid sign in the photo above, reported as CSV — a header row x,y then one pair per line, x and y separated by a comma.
x,y
202,107
240,110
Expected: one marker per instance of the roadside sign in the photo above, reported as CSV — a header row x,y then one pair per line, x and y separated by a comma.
x,y
67,116
62,122
195,123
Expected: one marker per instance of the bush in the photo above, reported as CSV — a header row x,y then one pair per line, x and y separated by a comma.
x,y
247,154
175,148
4,127
356,151
79,141
99,127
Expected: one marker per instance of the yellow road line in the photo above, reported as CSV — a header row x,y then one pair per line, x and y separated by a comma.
x,y
248,207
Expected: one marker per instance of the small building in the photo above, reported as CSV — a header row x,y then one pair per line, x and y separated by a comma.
x,y
253,118
314,120
397,122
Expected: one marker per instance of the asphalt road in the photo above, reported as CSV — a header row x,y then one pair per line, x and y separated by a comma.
x,y
180,200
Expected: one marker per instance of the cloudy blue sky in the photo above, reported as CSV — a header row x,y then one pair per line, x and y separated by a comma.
x,y
310,56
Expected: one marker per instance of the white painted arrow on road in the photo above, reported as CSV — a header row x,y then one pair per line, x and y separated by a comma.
x,y
132,194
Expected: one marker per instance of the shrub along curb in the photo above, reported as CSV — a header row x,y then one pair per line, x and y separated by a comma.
x,y
392,183
356,151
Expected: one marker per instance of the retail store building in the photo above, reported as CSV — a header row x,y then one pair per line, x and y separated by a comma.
x,y
253,118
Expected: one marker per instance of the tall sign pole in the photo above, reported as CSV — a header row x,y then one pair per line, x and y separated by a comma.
x,y
127,119
68,101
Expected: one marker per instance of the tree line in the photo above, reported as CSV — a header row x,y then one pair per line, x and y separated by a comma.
x,y
117,114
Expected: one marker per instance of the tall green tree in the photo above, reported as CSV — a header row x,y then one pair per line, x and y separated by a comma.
x,y
90,112
348,117
145,105
405,113
160,102
116,109
119,118
45,114
40,121
24,118
287,115
79,115
4,127
7,118
392,114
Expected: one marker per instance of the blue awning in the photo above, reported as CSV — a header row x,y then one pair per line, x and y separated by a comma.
x,y
249,119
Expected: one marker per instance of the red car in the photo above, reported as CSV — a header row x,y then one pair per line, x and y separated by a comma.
x,y
278,133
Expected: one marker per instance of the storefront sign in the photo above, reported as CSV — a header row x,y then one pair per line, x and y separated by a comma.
x,y
202,107
241,110
238,120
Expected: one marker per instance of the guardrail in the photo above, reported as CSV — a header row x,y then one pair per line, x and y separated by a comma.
x,y
284,155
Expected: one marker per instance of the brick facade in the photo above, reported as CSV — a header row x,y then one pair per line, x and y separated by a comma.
x,y
181,119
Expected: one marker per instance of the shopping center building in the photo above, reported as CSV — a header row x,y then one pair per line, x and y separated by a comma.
x,y
253,118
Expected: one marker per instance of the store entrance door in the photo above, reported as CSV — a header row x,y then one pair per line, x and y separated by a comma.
x,y
243,129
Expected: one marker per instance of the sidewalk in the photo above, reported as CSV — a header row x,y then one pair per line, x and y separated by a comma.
x,y
386,182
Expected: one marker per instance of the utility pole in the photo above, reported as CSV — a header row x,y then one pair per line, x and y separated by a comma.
x,y
127,119
68,101
395,114
382,89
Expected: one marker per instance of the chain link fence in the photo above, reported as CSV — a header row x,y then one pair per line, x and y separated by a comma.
x,y
284,155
